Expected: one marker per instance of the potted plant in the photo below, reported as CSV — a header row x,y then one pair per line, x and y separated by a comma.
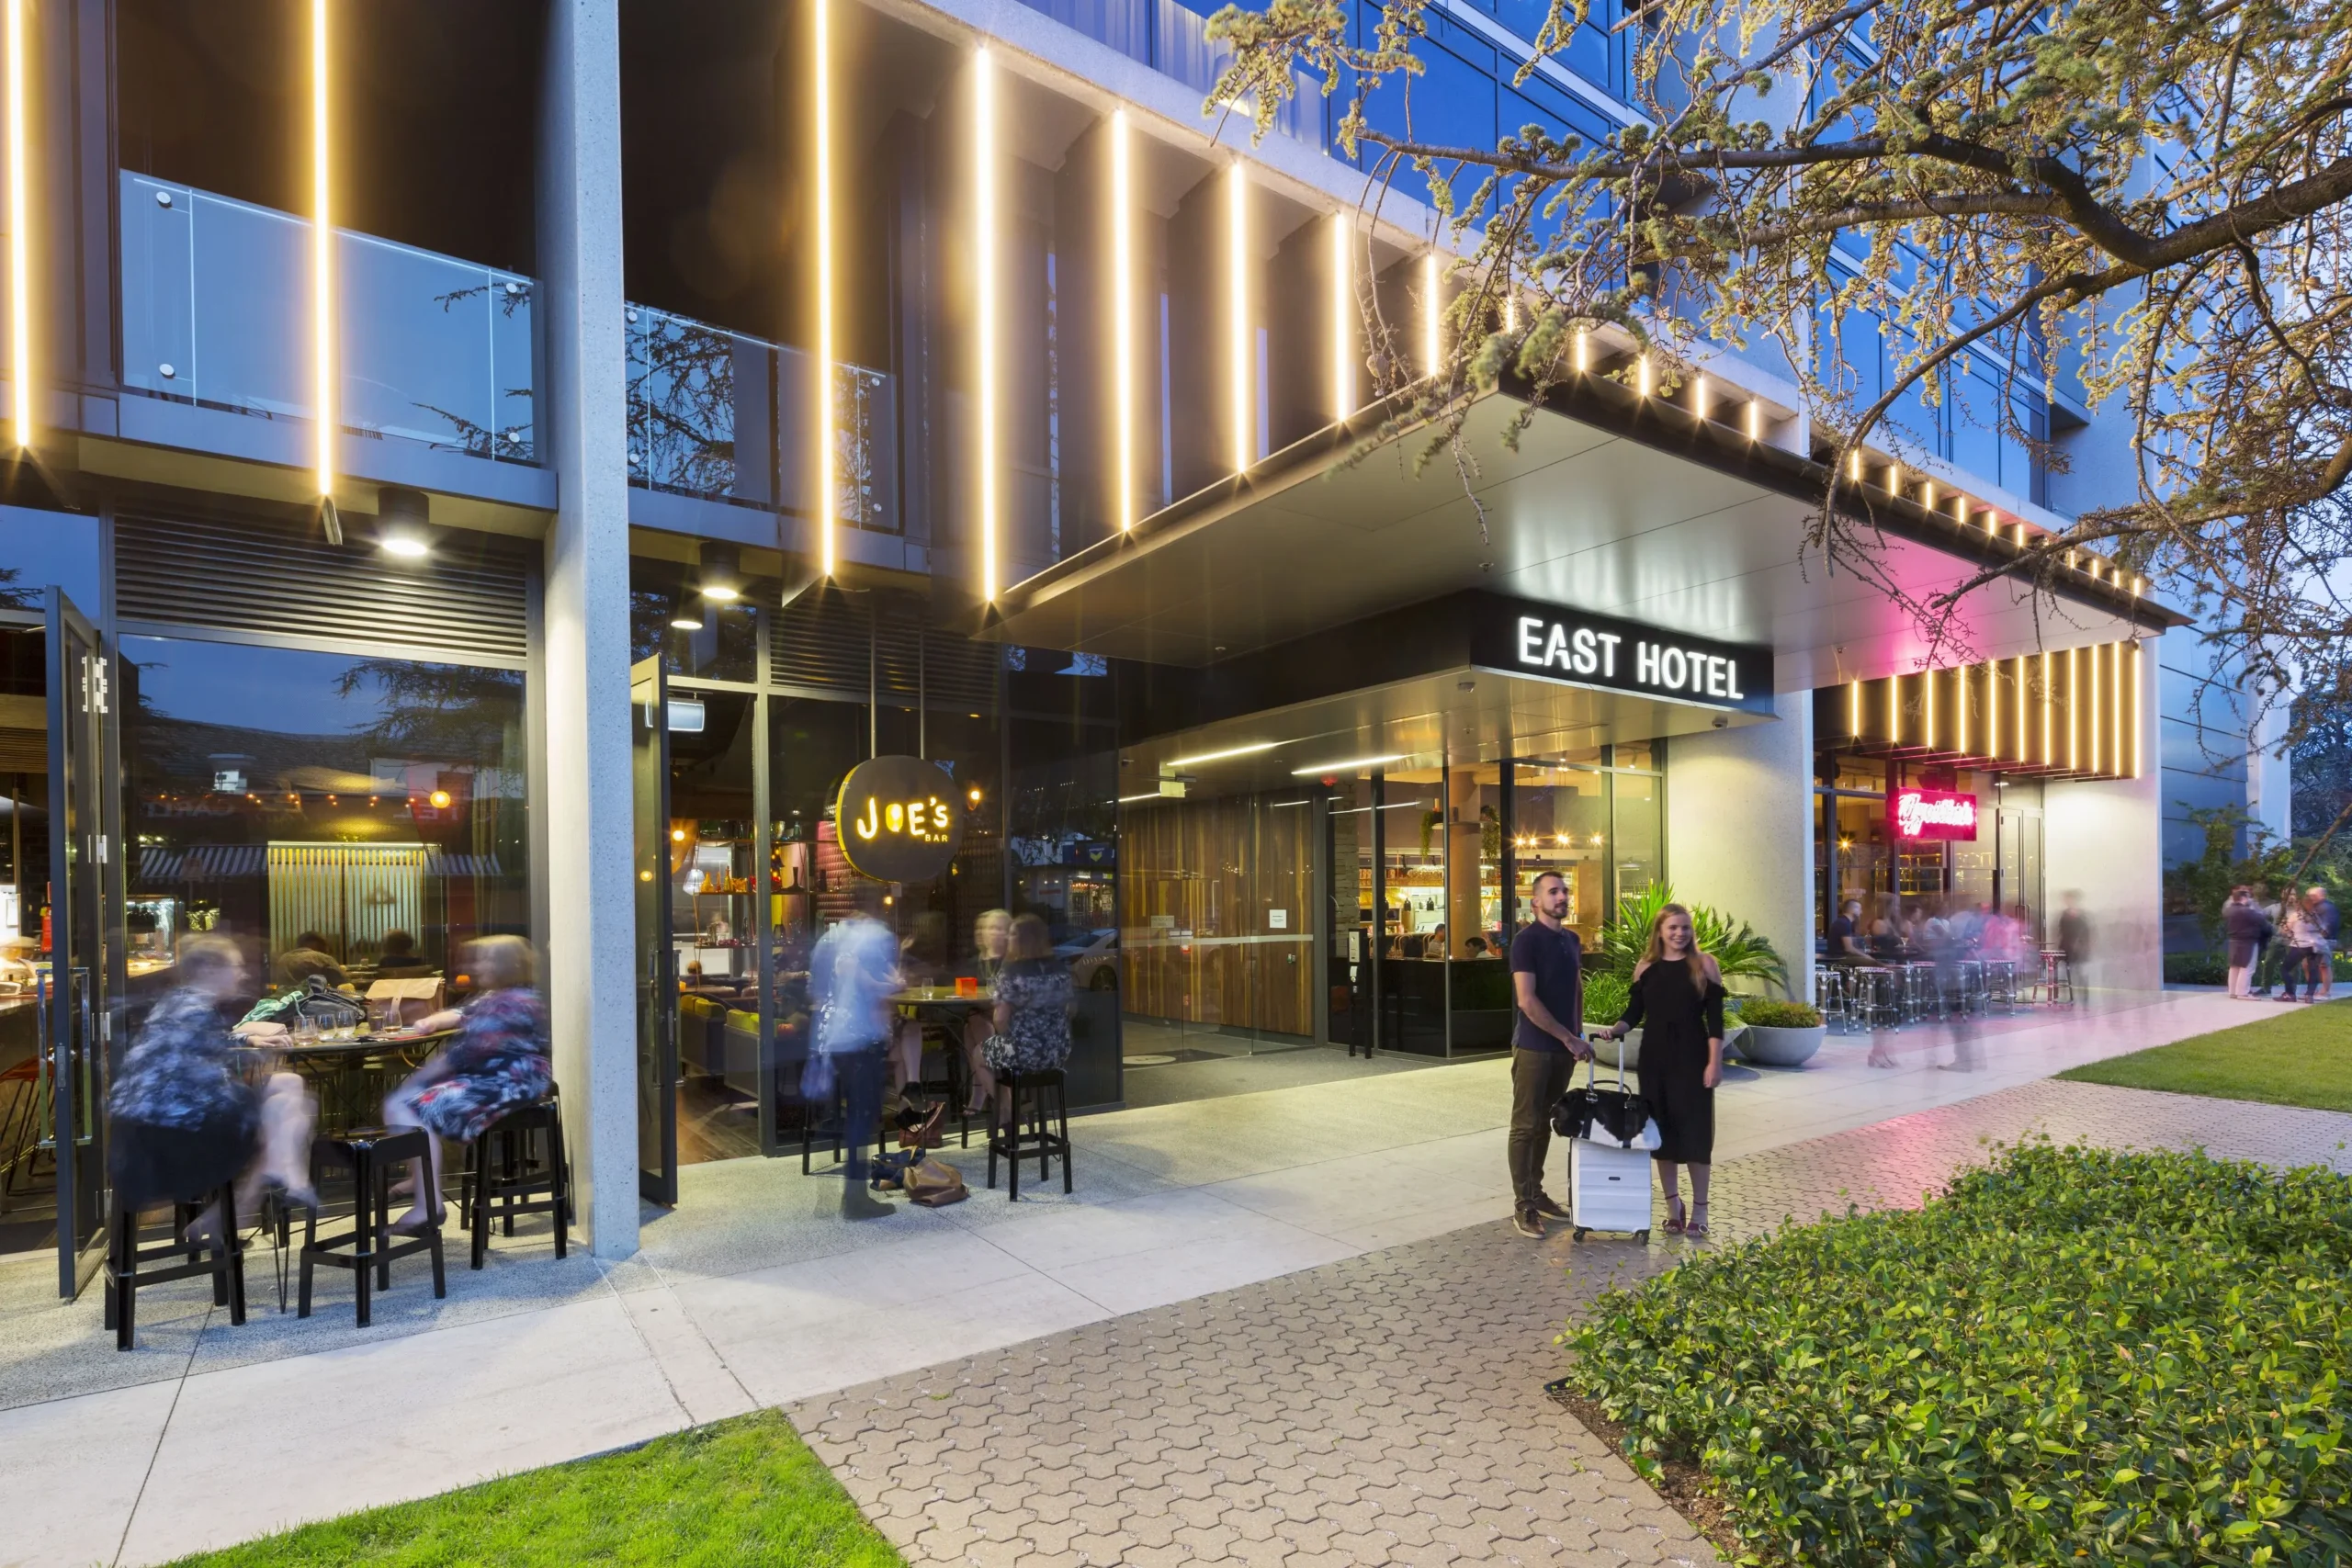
x,y
1604,1004
1780,1034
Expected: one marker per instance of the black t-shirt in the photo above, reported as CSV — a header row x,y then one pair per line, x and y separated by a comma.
x,y
1842,938
1557,960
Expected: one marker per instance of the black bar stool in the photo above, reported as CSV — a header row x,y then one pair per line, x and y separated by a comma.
x,y
522,1174
372,1155
835,1114
127,1273
1045,1136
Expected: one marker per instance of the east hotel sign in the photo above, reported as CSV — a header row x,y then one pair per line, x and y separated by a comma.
x,y
1522,638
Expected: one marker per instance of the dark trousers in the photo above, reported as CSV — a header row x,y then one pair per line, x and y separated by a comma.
x,y
2301,964
860,1072
1538,1078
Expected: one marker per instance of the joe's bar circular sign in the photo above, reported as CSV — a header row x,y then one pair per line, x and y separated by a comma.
x,y
898,819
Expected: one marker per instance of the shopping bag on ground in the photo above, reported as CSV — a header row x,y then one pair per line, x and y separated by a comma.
x,y
935,1183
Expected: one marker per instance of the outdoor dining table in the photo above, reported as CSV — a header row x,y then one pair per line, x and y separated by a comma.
x,y
352,1075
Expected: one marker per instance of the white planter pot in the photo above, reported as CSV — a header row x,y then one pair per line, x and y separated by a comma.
x,y
1782,1048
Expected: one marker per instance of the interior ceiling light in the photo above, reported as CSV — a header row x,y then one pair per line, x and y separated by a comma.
x,y
680,623
1231,752
1350,762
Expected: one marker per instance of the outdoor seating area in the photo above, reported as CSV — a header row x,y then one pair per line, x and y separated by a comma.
x,y
1867,997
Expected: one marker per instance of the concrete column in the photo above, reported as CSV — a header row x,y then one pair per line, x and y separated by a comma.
x,y
1739,827
2103,839
583,421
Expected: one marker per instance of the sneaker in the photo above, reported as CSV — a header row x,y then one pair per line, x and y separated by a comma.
x,y
1529,1224
1544,1206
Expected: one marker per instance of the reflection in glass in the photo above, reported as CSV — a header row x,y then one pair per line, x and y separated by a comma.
x,y
273,793
432,349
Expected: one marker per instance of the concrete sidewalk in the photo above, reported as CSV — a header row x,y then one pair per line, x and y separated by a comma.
x,y
754,1293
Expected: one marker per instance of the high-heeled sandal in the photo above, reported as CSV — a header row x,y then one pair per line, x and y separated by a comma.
x,y
1697,1228
1674,1219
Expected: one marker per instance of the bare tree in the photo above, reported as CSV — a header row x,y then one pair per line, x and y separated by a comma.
x,y
2134,208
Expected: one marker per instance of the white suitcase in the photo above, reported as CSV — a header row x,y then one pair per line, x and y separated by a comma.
x,y
1609,1189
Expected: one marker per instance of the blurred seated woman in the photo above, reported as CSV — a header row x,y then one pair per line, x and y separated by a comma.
x,y
1033,1004
307,957
186,1120
498,1061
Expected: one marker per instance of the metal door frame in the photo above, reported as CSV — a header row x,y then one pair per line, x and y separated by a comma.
x,y
655,961
78,1016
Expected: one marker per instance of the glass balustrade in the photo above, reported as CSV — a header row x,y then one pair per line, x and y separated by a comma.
x,y
723,416
216,311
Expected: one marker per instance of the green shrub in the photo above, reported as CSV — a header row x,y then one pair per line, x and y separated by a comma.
x,y
1604,999
1737,950
2196,970
2071,1356
1779,1015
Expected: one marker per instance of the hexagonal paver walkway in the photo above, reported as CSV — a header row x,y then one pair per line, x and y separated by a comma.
x,y
1389,1408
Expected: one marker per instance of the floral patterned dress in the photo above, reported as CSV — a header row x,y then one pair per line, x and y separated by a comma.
x,y
498,1061
1036,1034
183,1119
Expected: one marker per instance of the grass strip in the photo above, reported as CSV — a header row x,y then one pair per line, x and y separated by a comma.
x,y
2295,1056
744,1491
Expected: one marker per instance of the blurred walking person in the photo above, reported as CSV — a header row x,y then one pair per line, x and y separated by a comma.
x,y
853,974
2245,929
2327,928
2295,938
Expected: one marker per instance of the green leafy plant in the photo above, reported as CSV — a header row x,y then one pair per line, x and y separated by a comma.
x,y
1738,952
1761,1013
2071,1356
1604,998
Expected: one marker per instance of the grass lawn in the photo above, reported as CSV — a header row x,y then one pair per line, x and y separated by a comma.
x,y
746,1491
2285,1055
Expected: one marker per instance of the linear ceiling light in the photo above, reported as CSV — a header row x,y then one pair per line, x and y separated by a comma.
x,y
1231,752
820,102
1236,285
1348,766
20,312
1343,326
323,298
984,305
1123,305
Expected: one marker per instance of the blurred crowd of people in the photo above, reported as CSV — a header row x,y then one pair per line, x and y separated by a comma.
x,y
2289,935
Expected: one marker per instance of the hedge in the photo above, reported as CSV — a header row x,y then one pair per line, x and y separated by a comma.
x,y
2071,1356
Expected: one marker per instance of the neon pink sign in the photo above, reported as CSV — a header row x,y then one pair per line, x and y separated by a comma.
x,y
1931,814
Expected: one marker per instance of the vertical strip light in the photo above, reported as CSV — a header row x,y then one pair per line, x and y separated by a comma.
x,y
2074,710
984,301
20,310
2048,751
1959,705
1993,709
2138,728
2115,672
1237,286
1433,332
1854,709
1927,683
1122,302
1343,326
821,98
322,250
2093,706
1895,710
2018,667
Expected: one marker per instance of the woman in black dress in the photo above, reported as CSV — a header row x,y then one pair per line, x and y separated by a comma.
x,y
1676,997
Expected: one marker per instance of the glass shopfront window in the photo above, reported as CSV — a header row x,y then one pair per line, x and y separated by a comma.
x,y
296,799
1898,885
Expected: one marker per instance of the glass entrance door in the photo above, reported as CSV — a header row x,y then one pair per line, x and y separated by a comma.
x,y
657,984
73,935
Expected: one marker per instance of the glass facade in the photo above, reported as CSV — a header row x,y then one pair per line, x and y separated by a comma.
x,y
1856,858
